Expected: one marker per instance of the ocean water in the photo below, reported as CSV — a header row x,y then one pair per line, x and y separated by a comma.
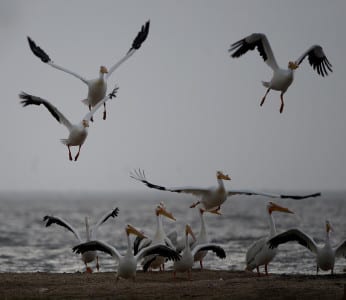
x,y
26,245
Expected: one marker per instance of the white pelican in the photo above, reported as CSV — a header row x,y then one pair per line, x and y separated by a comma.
x,y
325,256
282,78
128,262
97,88
159,238
89,256
212,198
259,252
77,132
187,257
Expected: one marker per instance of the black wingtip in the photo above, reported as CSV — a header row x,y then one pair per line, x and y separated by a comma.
x,y
141,36
38,51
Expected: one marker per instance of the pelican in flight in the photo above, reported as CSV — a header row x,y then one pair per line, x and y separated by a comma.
x,y
325,256
187,257
127,263
259,252
282,78
97,88
212,198
77,132
89,256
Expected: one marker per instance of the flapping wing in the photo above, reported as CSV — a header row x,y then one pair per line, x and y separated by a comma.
x,y
160,250
270,195
218,250
111,214
33,100
61,222
136,44
340,250
97,246
317,59
255,40
42,55
139,175
295,235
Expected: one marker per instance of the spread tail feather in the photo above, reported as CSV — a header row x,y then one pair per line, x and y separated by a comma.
x,y
266,84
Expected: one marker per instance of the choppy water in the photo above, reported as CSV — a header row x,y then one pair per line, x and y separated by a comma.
x,y
27,246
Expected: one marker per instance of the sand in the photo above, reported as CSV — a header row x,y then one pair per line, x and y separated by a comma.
x,y
205,284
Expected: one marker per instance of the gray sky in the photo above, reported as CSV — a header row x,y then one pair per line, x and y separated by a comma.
x,y
185,109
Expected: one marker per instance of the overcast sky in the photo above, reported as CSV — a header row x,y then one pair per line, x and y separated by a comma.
x,y
185,108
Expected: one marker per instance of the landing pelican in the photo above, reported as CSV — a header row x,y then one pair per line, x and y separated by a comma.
x,y
259,252
89,256
212,198
127,263
97,88
325,256
282,78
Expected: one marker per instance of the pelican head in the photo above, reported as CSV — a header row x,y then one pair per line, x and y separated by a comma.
x,y
222,176
274,207
85,123
103,70
292,65
328,226
161,210
188,230
131,230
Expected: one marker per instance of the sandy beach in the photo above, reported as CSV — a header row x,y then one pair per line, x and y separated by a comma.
x,y
205,284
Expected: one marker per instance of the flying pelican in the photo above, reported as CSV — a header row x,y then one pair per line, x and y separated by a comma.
x,y
212,198
97,88
89,256
128,262
325,256
282,78
159,238
187,257
259,252
77,132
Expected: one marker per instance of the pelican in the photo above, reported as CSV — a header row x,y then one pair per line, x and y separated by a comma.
x,y
97,88
325,256
187,257
89,256
282,78
159,238
212,198
259,252
77,132
128,262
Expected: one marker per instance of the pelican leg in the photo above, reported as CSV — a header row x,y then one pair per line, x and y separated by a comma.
x,y
266,269
194,204
282,102
317,268
264,97
201,264
88,269
77,155
258,271
97,264
91,119
69,152
104,112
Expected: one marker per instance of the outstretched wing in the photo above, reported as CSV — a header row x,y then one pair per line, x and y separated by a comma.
x,y
41,54
111,214
293,235
317,59
160,250
61,222
34,100
340,250
139,175
249,193
255,40
136,44
218,250
97,246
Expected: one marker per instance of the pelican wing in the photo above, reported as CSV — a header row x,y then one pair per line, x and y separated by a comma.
x,y
249,192
61,222
255,40
140,176
256,248
41,54
136,44
219,251
97,246
340,250
160,250
33,100
293,235
317,59
111,214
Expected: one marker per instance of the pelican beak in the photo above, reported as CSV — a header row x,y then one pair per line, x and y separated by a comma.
x,y
292,65
131,230
222,176
188,230
103,70
162,211
275,207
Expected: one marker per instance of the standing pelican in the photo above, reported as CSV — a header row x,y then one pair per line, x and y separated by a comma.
x,y
127,263
89,256
259,252
282,78
212,198
97,88
325,256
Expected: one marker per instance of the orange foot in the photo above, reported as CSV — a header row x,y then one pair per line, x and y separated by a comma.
x,y
88,270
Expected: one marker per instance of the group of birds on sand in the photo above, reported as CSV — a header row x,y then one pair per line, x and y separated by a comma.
x,y
153,252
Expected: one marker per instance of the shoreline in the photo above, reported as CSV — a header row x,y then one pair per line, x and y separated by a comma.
x,y
206,284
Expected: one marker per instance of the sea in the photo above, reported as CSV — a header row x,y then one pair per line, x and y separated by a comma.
x,y
26,245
